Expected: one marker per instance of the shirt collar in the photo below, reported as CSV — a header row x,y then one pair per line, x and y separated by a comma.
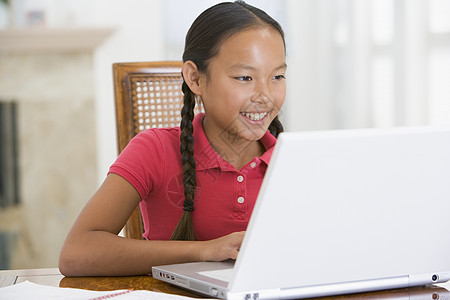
x,y
268,141
206,157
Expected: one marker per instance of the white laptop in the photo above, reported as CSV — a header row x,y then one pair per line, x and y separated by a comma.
x,y
340,211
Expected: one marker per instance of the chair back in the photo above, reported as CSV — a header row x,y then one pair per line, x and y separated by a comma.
x,y
147,95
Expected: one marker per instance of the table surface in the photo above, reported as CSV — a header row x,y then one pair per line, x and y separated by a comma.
x,y
52,277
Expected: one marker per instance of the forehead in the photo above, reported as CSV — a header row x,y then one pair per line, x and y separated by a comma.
x,y
253,47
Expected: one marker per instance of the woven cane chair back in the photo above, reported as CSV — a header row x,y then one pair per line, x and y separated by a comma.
x,y
147,95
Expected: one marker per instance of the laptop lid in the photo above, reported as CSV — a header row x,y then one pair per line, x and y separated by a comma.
x,y
347,211
348,206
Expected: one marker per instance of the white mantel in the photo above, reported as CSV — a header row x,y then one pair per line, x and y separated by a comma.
x,y
52,40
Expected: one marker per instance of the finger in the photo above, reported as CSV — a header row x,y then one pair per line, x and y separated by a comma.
x,y
234,254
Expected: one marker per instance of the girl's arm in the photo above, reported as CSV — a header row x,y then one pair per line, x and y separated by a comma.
x,y
93,248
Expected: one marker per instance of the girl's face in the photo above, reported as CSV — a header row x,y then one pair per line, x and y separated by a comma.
x,y
244,87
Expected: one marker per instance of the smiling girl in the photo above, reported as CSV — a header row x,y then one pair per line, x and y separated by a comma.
x,y
196,184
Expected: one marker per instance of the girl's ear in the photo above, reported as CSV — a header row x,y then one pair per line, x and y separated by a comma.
x,y
192,76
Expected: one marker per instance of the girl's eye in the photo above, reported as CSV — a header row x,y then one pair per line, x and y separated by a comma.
x,y
244,78
279,77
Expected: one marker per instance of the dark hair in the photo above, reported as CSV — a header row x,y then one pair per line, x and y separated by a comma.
x,y
203,41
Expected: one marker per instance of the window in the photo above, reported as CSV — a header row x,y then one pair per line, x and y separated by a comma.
x,y
378,63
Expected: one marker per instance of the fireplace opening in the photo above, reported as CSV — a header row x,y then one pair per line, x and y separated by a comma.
x,y
9,155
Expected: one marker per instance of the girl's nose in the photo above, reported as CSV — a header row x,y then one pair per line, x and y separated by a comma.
x,y
262,93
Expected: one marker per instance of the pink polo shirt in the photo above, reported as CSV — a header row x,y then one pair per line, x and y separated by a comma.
x,y
224,197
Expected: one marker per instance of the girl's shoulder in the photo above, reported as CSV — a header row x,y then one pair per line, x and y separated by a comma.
x,y
161,131
158,135
154,142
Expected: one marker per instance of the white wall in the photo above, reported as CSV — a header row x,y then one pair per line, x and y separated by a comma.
x,y
138,37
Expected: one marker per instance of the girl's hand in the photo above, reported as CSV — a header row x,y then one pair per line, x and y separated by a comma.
x,y
222,248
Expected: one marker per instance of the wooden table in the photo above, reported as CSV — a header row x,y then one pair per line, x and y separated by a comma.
x,y
52,277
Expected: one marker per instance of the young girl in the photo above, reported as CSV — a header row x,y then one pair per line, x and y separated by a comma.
x,y
196,184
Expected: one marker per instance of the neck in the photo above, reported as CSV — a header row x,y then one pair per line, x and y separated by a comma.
x,y
237,151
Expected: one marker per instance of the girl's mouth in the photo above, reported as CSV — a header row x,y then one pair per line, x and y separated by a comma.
x,y
254,116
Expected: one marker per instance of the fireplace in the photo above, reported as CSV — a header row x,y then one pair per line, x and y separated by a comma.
x,y
48,163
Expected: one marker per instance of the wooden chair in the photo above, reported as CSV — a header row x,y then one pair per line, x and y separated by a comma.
x,y
147,95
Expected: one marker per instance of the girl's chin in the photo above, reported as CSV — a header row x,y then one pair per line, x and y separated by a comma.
x,y
254,135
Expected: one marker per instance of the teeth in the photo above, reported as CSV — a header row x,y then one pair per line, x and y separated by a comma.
x,y
255,116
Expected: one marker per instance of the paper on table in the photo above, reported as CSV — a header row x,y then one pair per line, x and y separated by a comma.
x,y
28,290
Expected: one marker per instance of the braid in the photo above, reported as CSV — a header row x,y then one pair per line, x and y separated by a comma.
x,y
275,128
185,227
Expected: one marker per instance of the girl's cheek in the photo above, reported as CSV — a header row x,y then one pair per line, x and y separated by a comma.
x,y
280,95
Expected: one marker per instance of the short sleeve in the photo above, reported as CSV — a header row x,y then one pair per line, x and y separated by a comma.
x,y
142,162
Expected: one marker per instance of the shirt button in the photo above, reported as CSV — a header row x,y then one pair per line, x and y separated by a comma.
x,y
241,200
252,164
240,178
